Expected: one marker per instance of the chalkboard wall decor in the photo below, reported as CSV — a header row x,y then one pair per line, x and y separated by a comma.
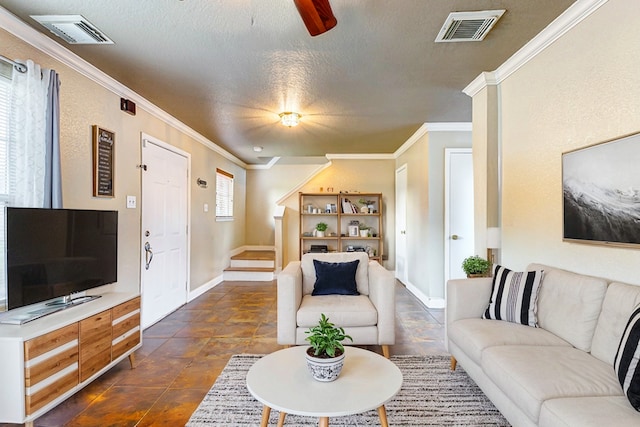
x,y
103,155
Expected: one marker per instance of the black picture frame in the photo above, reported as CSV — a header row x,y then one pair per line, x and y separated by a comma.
x,y
601,193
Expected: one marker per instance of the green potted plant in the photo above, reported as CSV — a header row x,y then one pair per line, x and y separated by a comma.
x,y
325,356
364,230
475,266
321,227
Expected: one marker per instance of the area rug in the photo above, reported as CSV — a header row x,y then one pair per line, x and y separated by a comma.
x,y
431,395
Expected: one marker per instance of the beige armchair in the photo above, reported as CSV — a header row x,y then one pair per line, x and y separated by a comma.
x,y
369,317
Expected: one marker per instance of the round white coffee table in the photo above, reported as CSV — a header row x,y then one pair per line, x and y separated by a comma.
x,y
282,381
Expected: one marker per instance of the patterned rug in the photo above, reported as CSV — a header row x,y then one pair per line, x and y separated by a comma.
x,y
431,395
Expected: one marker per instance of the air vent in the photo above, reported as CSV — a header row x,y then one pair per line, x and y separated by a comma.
x,y
468,26
74,29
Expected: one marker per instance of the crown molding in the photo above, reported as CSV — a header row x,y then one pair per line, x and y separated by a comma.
x,y
449,127
571,17
18,28
363,156
432,127
269,165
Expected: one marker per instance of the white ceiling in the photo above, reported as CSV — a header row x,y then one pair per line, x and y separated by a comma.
x,y
226,68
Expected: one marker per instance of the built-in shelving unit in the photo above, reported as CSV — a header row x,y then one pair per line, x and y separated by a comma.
x,y
345,214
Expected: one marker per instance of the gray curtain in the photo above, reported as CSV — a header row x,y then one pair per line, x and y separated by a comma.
x,y
53,174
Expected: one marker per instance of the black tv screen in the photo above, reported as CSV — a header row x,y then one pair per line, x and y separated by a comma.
x,y
53,253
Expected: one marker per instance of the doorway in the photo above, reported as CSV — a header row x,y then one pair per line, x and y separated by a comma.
x,y
165,216
401,224
458,211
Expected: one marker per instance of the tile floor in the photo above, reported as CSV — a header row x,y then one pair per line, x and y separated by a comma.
x,y
183,354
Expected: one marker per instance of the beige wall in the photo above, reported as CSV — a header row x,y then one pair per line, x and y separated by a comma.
x,y
425,208
581,90
374,176
264,188
85,103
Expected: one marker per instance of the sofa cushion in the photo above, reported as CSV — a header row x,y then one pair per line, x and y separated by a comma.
x,y
569,304
343,310
335,278
530,375
618,305
588,412
514,296
475,335
309,270
626,363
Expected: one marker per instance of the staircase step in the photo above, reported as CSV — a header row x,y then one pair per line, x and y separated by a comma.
x,y
255,255
252,265
247,274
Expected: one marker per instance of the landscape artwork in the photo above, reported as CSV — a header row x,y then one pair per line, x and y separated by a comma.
x,y
601,193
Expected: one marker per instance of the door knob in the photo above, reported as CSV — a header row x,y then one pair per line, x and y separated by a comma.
x,y
454,237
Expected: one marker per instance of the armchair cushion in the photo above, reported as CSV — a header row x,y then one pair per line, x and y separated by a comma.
x,y
335,278
309,270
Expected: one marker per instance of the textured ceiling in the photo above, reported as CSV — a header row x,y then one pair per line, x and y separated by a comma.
x,y
226,68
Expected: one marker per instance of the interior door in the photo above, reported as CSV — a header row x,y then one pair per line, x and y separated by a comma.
x,y
401,224
459,215
164,230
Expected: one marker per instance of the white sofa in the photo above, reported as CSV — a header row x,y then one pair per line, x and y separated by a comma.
x,y
560,374
368,318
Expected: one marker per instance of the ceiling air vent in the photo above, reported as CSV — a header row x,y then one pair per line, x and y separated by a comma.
x,y
468,26
74,29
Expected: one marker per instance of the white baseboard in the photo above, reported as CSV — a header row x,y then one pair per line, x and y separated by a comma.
x,y
426,300
204,288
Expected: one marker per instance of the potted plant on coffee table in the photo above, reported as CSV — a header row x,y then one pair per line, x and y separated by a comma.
x,y
325,356
475,266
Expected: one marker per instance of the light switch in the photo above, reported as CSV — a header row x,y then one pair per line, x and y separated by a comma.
x,y
206,207
131,202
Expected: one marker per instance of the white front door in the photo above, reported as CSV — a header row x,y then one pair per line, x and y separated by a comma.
x,y
401,224
165,187
459,229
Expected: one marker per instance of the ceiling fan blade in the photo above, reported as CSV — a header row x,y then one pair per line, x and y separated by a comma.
x,y
316,15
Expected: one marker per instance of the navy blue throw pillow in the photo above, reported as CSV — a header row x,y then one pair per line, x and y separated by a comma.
x,y
335,278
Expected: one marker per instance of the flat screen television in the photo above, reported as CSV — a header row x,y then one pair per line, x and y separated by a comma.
x,y
53,253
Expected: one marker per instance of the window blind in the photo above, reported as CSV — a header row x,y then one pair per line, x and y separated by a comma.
x,y
224,195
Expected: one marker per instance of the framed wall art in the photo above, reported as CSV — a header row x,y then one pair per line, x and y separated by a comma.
x,y
103,156
601,193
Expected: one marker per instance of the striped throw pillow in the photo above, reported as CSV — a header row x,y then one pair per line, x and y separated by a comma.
x,y
626,363
514,296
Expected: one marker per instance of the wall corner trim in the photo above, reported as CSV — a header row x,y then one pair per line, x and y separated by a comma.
x,y
571,17
18,28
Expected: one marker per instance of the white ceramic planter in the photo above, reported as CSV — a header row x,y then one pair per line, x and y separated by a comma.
x,y
325,370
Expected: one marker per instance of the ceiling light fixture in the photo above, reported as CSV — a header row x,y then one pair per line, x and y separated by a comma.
x,y
257,149
290,118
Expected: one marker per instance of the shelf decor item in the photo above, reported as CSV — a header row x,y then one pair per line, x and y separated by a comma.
x,y
321,227
325,356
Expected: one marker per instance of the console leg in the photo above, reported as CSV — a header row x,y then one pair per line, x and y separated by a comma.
x,y
132,360
453,363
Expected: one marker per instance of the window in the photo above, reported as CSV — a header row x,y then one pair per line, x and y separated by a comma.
x,y
224,196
